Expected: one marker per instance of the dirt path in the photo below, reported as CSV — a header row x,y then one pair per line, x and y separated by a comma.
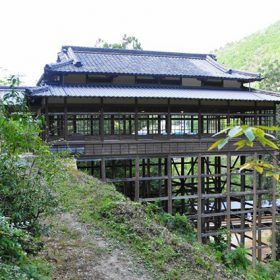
x,y
78,252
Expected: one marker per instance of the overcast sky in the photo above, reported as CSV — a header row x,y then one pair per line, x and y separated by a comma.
x,y
32,31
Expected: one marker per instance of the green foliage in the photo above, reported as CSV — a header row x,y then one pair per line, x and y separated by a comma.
x,y
237,259
245,136
15,244
252,51
271,73
128,42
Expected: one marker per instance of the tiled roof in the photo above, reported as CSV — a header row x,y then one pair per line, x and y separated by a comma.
x,y
154,92
136,62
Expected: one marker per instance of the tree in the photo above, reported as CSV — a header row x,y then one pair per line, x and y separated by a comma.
x,y
128,42
271,71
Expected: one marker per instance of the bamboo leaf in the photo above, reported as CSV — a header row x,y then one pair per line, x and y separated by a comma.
x,y
215,144
234,131
249,133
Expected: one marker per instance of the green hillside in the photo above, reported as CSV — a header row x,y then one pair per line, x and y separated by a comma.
x,y
259,52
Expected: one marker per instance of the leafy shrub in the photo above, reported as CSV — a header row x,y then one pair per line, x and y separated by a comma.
x,y
14,260
237,259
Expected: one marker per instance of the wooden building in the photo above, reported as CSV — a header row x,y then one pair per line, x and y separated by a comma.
x,y
144,121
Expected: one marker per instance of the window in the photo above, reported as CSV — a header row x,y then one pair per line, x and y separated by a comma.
x,y
151,124
170,81
56,125
184,124
84,124
212,83
214,123
146,80
99,79
118,124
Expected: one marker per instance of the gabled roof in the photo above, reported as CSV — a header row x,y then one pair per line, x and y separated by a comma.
x,y
154,92
73,59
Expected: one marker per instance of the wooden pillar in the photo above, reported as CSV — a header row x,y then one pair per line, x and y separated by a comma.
x,y
169,185
274,212
101,123
103,170
242,200
199,199
137,183
47,130
228,201
65,130
228,112
168,120
200,120
136,118
254,232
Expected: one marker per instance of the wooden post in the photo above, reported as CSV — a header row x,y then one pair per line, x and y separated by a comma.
x,y
168,120
103,170
228,201
199,199
136,118
274,211
101,124
254,232
169,184
200,120
65,130
47,119
137,175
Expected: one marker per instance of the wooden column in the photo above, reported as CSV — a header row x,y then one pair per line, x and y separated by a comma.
x,y
254,232
228,201
169,185
101,122
274,212
47,119
200,121
65,128
103,170
168,120
199,199
136,119
137,183
242,200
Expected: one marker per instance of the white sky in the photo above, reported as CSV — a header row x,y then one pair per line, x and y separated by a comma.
x,y
32,31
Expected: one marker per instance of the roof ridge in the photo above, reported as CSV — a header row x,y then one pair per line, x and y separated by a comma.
x,y
138,52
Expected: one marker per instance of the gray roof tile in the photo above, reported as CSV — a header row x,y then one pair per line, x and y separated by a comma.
x,y
134,62
155,92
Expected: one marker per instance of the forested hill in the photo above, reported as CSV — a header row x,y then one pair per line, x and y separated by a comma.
x,y
259,52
